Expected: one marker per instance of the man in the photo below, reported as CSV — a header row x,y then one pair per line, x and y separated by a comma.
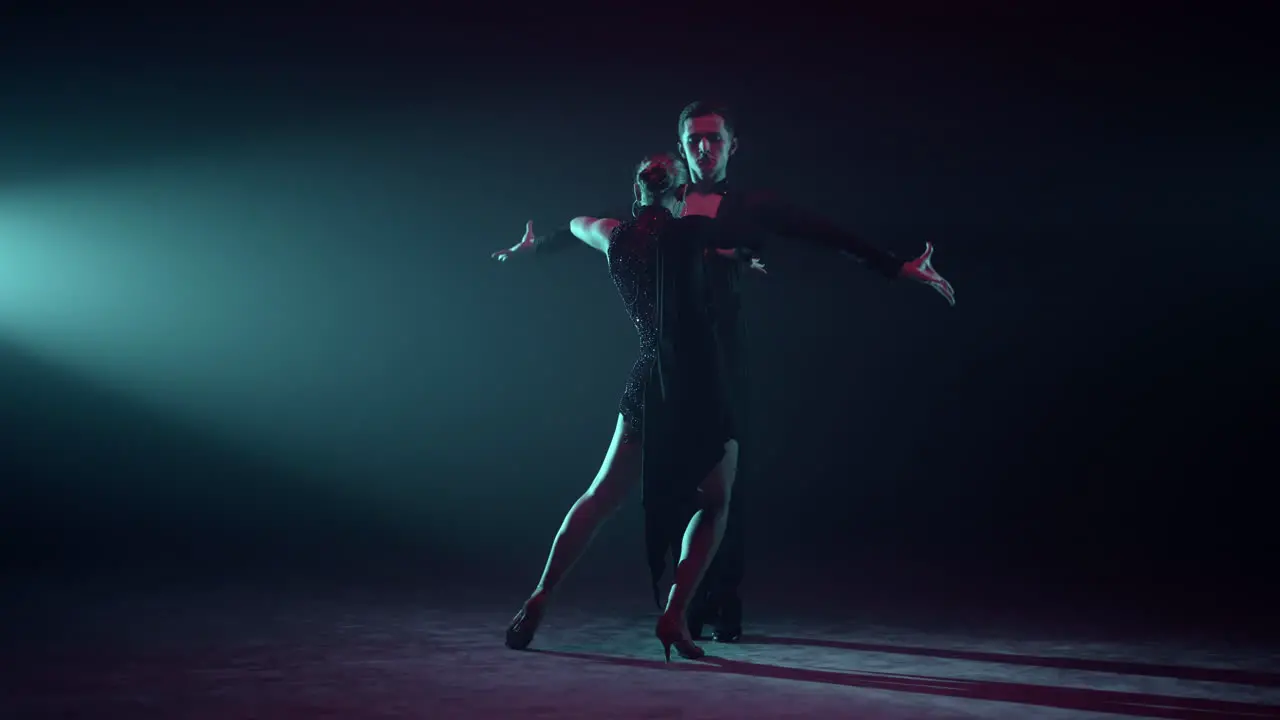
x,y
707,142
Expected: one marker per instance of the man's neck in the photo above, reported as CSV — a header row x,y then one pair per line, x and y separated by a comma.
x,y
708,183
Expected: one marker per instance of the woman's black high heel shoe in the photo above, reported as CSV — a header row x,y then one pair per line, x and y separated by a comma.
x,y
523,626
670,633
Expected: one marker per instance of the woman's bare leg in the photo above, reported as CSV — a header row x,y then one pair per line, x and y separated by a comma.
x,y
618,474
701,540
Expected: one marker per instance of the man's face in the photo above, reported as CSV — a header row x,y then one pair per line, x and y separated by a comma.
x,y
707,146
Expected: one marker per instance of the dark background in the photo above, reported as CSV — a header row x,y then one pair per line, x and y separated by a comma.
x,y
250,329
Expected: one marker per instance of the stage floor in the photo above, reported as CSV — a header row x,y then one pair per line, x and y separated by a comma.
x,y
226,655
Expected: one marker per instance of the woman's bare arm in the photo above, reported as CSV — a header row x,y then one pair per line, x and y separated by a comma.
x,y
593,231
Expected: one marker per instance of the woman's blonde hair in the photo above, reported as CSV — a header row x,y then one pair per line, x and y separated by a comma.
x,y
660,174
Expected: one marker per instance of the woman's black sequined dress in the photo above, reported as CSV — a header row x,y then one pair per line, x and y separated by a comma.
x,y
678,397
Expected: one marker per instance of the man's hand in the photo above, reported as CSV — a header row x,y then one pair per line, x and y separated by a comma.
x,y
525,245
921,270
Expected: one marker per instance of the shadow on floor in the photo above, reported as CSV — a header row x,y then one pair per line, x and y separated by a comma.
x,y
1066,698
1122,667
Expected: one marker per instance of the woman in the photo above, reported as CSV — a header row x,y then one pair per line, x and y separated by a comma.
x,y
690,458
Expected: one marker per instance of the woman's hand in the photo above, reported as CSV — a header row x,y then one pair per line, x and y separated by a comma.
x,y
736,254
525,245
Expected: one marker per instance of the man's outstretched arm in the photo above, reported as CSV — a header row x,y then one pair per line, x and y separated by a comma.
x,y
789,221
784,219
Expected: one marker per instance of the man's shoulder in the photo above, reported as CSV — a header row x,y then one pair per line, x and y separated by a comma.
x,y
753,197
759,193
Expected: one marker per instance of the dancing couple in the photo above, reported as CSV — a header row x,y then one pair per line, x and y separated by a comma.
x,y
678,264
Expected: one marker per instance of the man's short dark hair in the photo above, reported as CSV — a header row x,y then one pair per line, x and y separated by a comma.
x,y
703,108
